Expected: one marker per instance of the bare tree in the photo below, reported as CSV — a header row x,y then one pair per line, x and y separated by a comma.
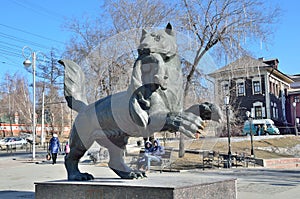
x,y
50,84
15,98
138,14
110,49
225,26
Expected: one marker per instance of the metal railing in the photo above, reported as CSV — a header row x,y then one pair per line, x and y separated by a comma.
x,y
28,148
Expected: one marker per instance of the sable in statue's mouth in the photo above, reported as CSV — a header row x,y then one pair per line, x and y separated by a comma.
x,y
140,103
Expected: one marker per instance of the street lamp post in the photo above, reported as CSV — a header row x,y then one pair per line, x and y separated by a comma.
x,y
226,101
295,118
43,119
248,114
27,63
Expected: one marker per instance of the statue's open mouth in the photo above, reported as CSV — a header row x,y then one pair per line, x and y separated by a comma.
x,y
153,72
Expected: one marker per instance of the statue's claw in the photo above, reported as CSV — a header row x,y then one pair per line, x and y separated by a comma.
x,y
207,111
81,177
134,174
185,122
140,174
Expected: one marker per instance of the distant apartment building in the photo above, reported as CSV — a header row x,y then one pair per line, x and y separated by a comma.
x,y
293,105
254,85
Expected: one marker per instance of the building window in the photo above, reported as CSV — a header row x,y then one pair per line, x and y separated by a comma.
x,y
240,88
258,112
297,99
256,87
226,89
275,111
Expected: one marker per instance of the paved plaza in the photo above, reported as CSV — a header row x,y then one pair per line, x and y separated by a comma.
x,y
19,173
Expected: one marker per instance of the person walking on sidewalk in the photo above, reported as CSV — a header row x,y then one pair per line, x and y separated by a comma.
x,y
54,147
67,148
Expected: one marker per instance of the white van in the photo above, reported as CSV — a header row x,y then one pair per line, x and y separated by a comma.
x,y
260,127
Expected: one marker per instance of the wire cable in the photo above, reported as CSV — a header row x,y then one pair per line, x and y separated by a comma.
x,y
36,35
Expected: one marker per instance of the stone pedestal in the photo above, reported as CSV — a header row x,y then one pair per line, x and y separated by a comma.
x,y
167,186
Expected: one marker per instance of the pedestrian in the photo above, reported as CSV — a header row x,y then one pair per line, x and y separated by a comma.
x,y
157,150
258,130
150,139
152,153
265,129
143,161
54,147
67,148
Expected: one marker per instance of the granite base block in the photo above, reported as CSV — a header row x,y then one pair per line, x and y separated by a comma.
x,y
161,186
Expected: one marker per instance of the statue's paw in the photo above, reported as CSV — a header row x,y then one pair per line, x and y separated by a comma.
x,y
134,174
185,122
81,177
207,111
140,174
143,173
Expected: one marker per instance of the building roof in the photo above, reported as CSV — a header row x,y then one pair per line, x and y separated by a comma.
x,y
240,64
294,91
296,83
247,63
296,77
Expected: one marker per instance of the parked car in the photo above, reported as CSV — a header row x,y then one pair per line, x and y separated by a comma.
x,y
260,126
27,136
2,141
13,142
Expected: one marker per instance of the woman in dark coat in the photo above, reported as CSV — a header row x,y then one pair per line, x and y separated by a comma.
x,y
54,147
153,152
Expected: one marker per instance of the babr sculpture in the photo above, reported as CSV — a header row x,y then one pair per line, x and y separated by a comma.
x,y
152,103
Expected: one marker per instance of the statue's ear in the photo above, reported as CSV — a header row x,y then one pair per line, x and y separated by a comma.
x,y
144,32
169,29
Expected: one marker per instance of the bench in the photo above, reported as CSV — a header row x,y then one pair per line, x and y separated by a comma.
x,y
164,163
250,160
244,159
208,158
236,160
223,158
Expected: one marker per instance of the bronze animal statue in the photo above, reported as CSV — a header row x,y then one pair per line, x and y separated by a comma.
x,y
152,103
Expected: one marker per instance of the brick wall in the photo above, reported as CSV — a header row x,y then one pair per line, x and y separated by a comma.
x,y
282,163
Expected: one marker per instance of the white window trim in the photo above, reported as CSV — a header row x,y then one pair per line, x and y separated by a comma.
x,y
257,104
237,88
263,109
256,79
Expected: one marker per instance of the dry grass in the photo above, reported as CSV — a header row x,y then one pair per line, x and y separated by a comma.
x,y
190,161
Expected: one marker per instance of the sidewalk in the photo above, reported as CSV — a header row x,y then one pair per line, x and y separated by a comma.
x,y
18,175
261,183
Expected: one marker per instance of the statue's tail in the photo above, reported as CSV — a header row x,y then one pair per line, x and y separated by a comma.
x,y
74,87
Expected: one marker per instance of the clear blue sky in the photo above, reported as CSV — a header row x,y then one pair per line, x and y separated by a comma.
x,y
38,24
286,41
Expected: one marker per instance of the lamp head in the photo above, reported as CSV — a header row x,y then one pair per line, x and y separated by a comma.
x,y
226,100
27,63
248,113
294,104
